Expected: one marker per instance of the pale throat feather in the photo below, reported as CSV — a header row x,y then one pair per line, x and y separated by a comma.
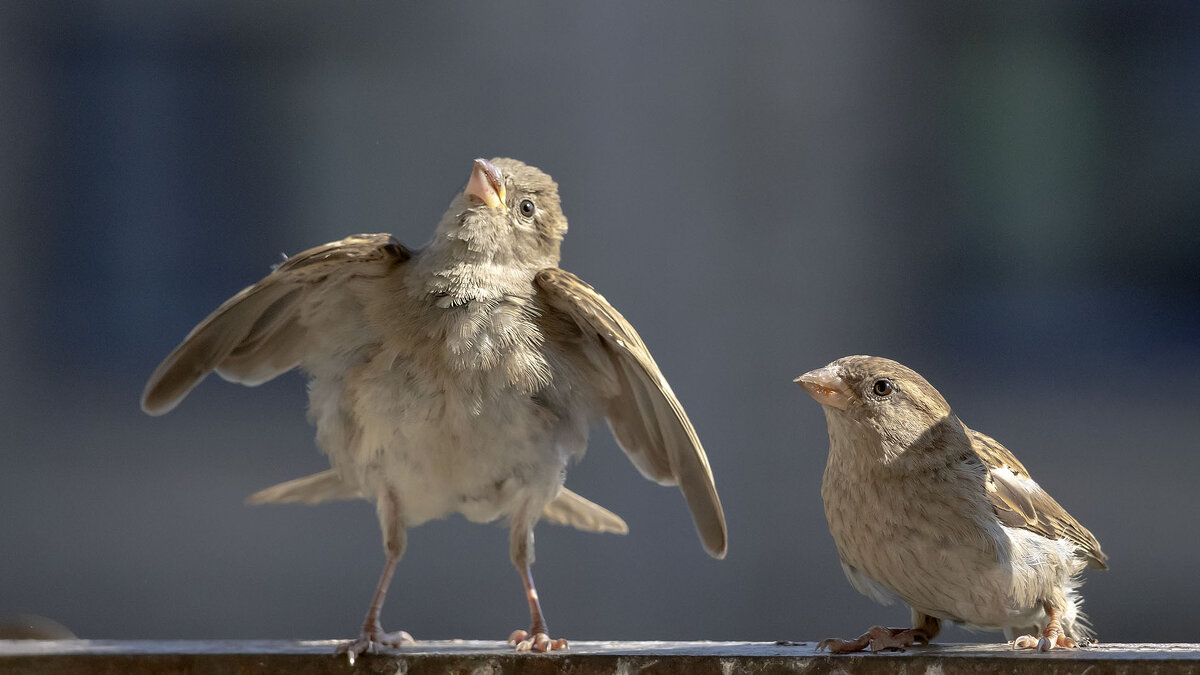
x,y
855,456
466,267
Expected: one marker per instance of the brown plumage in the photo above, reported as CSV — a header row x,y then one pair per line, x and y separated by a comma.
x,y
648,421
1034,510
458,378
259,333
925,509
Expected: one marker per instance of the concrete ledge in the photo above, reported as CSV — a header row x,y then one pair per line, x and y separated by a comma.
x,y
473,656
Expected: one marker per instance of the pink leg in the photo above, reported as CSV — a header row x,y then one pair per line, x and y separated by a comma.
x,y
536,638
373,635
880,638
1052,635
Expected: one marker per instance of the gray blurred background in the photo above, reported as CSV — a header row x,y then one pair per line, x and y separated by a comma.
x,y
1004,196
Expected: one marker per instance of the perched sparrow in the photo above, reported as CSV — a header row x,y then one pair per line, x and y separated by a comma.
x,y
925,509
458,378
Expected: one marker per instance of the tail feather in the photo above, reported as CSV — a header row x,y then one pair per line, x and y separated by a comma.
x,y
319,487
569,508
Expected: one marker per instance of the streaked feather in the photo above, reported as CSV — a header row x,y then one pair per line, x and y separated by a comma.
x,y
1020,502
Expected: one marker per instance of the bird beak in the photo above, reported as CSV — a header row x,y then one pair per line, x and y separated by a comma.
x,y
486,184
826,386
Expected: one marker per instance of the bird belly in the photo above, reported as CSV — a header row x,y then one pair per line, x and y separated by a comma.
x,y
1011,588
936,558
441,448
483,464
928,572
453,414
441,455
958,568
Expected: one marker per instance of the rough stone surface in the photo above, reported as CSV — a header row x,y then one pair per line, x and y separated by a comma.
x,y
482,657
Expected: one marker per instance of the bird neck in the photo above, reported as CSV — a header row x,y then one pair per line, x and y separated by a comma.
x,y
451,268
866,447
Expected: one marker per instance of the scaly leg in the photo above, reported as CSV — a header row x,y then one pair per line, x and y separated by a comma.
x,y
373,635
521,549
880,638
1052,635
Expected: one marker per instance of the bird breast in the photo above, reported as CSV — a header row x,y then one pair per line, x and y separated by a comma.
x,y
922,536
472,346
445,415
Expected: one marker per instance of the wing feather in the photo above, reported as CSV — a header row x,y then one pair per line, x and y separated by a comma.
x,y
1020,502
645,416
259,333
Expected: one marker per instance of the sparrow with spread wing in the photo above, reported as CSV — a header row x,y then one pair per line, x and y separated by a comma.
x,y
458,378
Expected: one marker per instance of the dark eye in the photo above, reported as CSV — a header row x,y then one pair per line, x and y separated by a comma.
x,y
883,388
527,208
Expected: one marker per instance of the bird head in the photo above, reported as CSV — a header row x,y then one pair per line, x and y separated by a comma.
x,y
508,214
885,398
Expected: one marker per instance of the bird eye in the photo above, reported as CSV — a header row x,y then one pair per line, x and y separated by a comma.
x,y
527,208
883,388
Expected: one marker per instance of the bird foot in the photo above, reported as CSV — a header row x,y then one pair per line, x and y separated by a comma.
x,y
371,640
1045,643
535,642
878,638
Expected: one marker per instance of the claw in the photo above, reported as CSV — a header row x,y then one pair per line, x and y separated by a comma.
x,y
537,642
1046,642
1025,642
878,638
1052,635
371,640
836,646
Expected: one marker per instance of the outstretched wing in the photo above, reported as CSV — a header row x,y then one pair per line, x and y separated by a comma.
x,y
645,417
1020,502
262,331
